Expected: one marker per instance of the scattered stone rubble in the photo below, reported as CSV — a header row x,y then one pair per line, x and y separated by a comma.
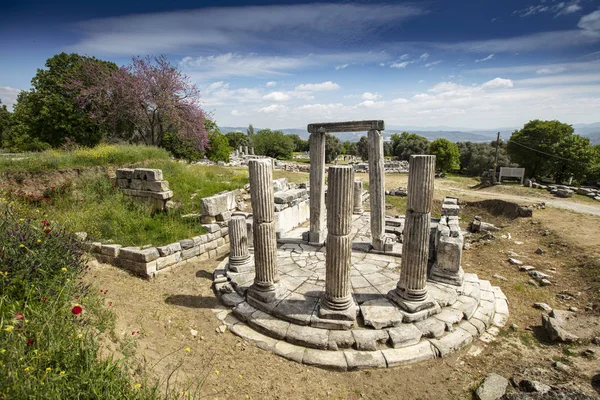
x,y
145,185
564,190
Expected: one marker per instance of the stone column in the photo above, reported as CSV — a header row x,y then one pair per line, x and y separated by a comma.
x,y
411,292
316,233
246,150
239,256
266,282
377,192
358,189
251,150
338,303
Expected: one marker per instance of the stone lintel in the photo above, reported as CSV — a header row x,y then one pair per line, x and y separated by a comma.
x,y
348,126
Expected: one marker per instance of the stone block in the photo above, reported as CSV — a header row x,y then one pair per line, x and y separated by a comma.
x,y
408,355
125,173
155,186
450,209
289,351
144,269
192,252
404,335
280,184
452,341
167,261
449,253
218,204
492,388
224,216
147,174
208,219
269,325
380,313
262,341
111,250
288,196
308,336
340,340
243,311
136,184
364,359
123,183
186,244
325,359
211,228
367,339
142,256
431,327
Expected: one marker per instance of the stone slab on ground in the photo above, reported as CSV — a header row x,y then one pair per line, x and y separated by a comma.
x,y
308,336
380,313
493,387
268,324
364,359
431,327
408,355
404,335
326,359
367,339
452,341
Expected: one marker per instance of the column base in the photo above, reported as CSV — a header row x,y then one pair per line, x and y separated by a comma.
x,y
358,211
413,311
264,295
241,265
346,314
314,238
444,276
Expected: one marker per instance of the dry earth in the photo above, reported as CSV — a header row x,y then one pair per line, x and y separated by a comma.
x,y
168,310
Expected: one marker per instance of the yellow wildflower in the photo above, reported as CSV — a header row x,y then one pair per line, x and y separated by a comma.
x,y
63,269
35,351
21,245
9,328
21,219
240,377
27,369
48,369
62,373
2,351
39,240
217,372
79,336
187,349
137,386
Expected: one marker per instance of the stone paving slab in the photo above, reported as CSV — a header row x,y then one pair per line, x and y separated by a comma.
x,y
364,359
408,355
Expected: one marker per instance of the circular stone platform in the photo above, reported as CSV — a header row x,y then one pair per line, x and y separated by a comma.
x,y
290,326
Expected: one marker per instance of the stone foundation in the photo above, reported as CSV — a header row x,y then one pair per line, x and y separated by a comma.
x,y
146,185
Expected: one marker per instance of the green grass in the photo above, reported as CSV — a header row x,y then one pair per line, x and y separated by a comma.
x,y
94,205
48,351
87,157
398,204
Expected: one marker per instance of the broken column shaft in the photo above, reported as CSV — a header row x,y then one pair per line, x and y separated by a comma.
x,y
338,302
377,190
316,233
239,256
266,281
411,291
358,189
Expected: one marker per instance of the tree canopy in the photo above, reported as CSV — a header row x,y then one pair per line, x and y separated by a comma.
x,y
274,144
237,139
550,148
333,148
447,156
49,113
406,144
5,121
362,148
475,158
218,145
299,143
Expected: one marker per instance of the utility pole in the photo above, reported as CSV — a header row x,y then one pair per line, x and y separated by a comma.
x,y
496,158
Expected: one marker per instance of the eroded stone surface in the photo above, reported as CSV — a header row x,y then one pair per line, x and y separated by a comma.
x,y
380,313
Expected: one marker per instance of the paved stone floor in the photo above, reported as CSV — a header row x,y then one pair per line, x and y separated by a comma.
x,y
290,326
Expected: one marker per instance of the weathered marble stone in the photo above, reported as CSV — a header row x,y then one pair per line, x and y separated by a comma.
x,y
317,187
431,327
358,199
408,355
380,313
308,336
492,388
325,359
364,359
367,339
377,189
404,335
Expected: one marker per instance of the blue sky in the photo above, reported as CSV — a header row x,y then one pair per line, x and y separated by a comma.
x,y
469,64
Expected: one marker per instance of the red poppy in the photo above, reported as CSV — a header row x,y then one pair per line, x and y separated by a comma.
x,y
47,231
106,291
76,297
132,333
43,299
76,310
29,342
45,222
110,303
19,316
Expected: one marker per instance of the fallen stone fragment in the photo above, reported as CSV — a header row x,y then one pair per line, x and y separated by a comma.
x,y
533,386
492,388
539,251
555,327
542,306
499,277
532,283
545,282
538,276
550,395
526,268
514,261
562,367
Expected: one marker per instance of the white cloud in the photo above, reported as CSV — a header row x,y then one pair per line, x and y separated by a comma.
x,y
593,65
555,70
271,84
498,83
491,56
342,66
400,100
424,56
404,57
370,96
321,107
235,28
318,87
561,8
561,79
8,95
431,64
273,108
591,24
277,96
400,65
371,104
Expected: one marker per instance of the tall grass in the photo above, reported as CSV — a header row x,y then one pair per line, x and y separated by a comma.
x,y
50,323
102,154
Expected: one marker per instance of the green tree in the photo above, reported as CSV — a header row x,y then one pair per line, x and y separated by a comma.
x,y
475,158
299,143
406,144
333,148
5,121
274,144
447,156
237,139
388,149
49,113
250,133
218,145
349,148
536,145
362,148
576,159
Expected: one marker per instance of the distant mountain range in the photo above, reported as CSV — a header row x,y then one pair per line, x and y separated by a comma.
x,y
453,134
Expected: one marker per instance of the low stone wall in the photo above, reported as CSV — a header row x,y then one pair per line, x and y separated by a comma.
x,y
390,167
564,190
219,207
151,261
145,185
291,205
448,246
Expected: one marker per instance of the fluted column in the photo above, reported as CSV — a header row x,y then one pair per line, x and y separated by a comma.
x,y
411,292
338,302
316,233
358,189
246,150
377,190
266,281
239,256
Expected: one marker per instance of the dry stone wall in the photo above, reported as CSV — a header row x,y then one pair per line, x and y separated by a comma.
x,y
145,185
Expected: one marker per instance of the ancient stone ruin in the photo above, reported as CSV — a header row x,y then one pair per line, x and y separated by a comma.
x,y
331,304
145,185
